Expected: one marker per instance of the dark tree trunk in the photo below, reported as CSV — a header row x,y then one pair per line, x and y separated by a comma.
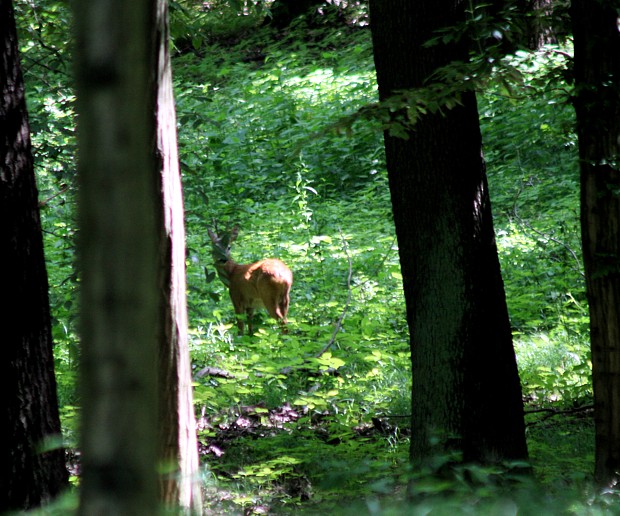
x,y
466,390
543,24
597,105
28,476
530,23
119,239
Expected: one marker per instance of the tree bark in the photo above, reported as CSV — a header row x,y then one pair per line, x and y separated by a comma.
x,y
178,443
118,214
29,476
466,394
529,24
597,106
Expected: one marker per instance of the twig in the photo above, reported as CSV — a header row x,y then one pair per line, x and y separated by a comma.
x,y
550,412
560,411
63,189
376,270
515,213
347,304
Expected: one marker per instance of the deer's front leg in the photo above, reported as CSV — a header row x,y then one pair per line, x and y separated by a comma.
x,y
249,312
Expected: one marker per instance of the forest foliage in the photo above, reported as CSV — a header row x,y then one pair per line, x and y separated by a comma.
x,y
270,138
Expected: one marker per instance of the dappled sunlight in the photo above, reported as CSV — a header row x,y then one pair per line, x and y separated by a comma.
x,y
327,86
554,368
319,418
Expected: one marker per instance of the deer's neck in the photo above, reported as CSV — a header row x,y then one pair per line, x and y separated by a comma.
x,y
225,271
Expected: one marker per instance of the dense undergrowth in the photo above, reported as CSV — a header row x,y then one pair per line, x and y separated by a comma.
x,y
258,114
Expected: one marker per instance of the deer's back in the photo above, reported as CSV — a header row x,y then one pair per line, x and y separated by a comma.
x,y
253,281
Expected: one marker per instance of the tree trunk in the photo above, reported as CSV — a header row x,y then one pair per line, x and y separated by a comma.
x,y
118,214
28,475
597,105
178,444
466,389
529,24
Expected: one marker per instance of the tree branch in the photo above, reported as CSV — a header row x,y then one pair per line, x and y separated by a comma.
x,y
338,326
550,412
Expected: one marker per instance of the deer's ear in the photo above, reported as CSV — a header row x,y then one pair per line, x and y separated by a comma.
x,y
212,236
234,233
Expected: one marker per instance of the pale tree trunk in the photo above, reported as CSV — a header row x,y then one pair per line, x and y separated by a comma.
x,y
597,105
28,476
118,214
159,189
466,394
179,448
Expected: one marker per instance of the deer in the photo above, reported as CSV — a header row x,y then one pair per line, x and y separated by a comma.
x,y
265,283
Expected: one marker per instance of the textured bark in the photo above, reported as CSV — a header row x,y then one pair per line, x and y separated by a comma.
x,y
28,476
529,24
466,389
118,214
541,25
597,105
129,126
178,443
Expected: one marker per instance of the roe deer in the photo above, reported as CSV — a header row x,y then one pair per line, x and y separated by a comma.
x,y
265,283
